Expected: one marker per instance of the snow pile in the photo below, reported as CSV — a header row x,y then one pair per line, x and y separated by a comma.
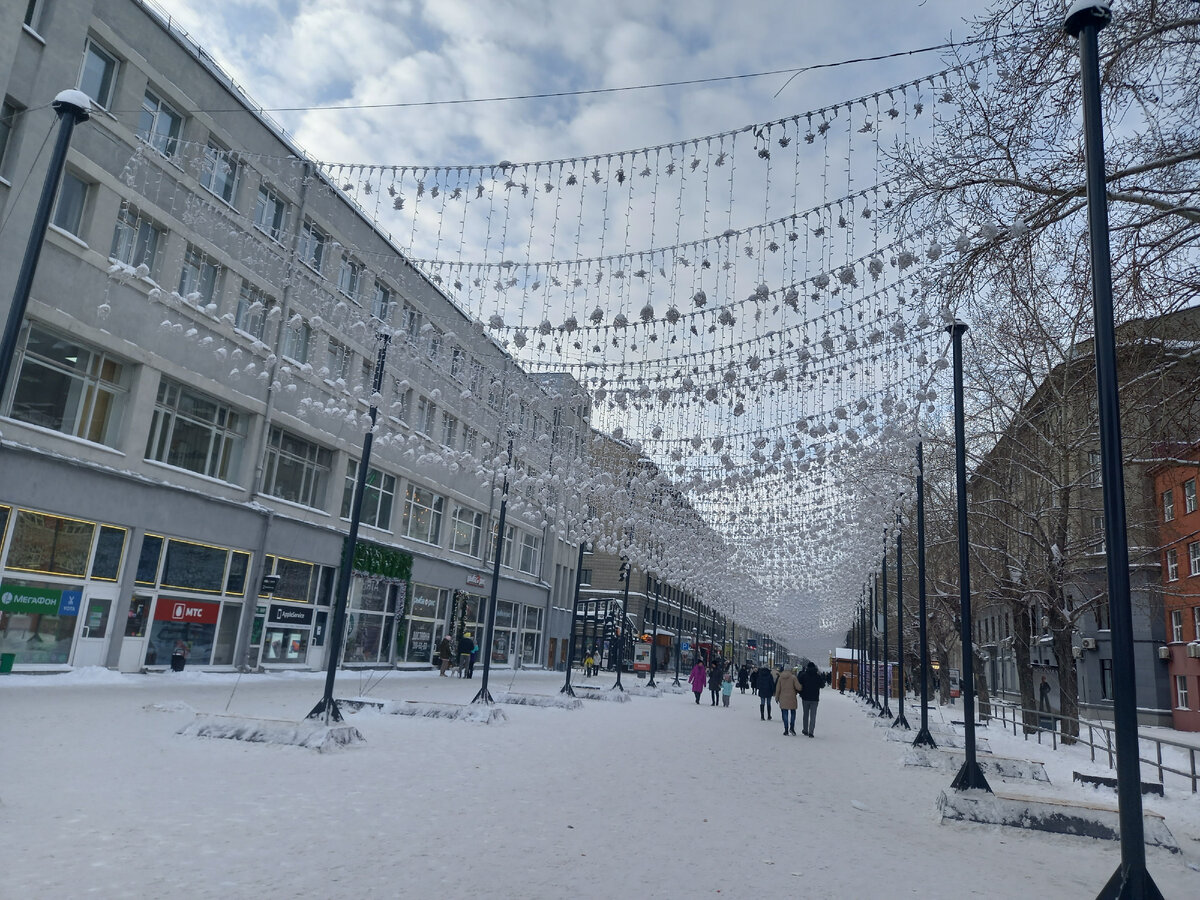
x,y
312,735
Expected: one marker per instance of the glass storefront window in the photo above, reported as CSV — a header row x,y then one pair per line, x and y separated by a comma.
x,y
51,544
147,570
285,645
295,578
371,622
37,621
106,563
501,641
504,614
190,625
194,567
139,614
239,565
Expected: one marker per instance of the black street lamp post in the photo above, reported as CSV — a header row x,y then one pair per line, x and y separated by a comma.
x,y
484,696
1084,21
654,636
901,721
327,707
923,738
970,775
886,712
621,627
566,688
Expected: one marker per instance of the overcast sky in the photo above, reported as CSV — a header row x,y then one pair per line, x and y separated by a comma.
x,y
289,53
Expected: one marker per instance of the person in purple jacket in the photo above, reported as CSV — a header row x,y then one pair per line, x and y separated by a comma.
x,y
698,679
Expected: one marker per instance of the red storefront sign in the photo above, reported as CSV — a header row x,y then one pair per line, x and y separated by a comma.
x,y
194,612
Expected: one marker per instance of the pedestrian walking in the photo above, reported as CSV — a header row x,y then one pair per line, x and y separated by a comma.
x,y
765,685
698,679
743,681
465,646
588,662
714,682
842,683
445,655
787,690
1044,695
810,694
726,689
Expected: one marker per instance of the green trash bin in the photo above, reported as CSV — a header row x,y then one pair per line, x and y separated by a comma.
x,y
6,662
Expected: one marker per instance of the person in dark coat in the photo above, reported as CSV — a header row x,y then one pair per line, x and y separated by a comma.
x,y
764,683
743,681
465,646
445,655
842,683
715,674
811,683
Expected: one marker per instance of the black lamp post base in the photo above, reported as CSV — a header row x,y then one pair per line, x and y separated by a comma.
x,y
618,686
901,722
924,739
485,696
970,778
326,709
886,712
1130,884
567,689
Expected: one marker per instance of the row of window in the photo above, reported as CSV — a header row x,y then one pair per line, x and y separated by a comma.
x,y
1189,500
1177,635
71,388
1172,557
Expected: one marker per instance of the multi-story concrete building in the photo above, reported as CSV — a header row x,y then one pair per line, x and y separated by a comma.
x,y
186,411
1175,485
1038,526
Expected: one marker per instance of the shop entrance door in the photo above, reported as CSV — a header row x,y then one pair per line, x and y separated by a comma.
x,y
95,625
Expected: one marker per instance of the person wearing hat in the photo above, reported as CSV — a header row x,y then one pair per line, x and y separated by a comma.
x,y
787,690
465,645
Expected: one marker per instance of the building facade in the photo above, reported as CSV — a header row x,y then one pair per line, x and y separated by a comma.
x,y
1175,485
183,423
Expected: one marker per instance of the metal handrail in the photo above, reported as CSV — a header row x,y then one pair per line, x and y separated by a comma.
x,y
1107,747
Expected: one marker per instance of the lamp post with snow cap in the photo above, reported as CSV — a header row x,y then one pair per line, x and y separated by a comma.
x,y
886,712
901,721
566,688
1083,22
654,636
626,567
73,108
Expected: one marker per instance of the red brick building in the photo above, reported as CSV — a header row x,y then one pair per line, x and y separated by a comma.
x,y
1175,486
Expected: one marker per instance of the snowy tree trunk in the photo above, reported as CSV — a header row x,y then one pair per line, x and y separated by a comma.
x,y
1021,632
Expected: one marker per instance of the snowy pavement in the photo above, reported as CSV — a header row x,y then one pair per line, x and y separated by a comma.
x,y
657,797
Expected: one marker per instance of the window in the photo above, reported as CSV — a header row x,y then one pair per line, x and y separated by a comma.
x,y
8,124
1181,692
295,344
1177,625
402,405
467,536
458,360
350,277
1196,623
531,546
470,440
311,248
1189,495
270,213
435,344
1098,533
381,303
1194,558
252,310
69,387
422,515
1168,502
195,432
585,576
198,277
135,240
426,410
159,125
297,470
449,430
98,75
220,173
379,493
1172,564
33,13
340,358
1093,477
412,321
68,209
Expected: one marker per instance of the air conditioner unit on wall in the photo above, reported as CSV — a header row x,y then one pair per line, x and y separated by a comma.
x,y
1164,652
1193,650
1088,643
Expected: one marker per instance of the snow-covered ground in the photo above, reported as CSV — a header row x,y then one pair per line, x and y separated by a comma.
x,y
657,797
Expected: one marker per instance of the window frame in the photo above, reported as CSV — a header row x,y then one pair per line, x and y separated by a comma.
x,y
312,246
141,235
381,301
1177,626
270,205
245,314
1189,496
9,111
1172,564
297,341
109,81
165,143
415,498
350,276
1193,559
227,431
1181,692
220,160
464,517
75,227
315,465
202,268
1168,505
379,500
